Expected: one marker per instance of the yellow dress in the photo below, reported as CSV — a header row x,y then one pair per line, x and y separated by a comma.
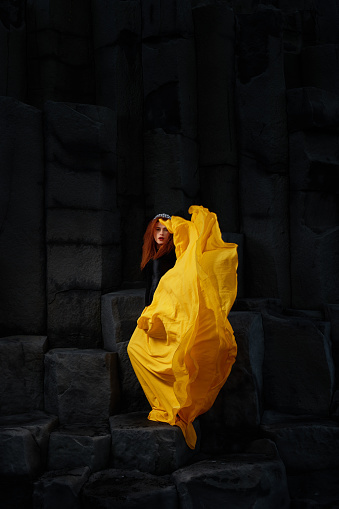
x,y
183,347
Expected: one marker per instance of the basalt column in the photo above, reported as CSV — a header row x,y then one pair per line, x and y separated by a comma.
x,y
22,222
83,227
169,72
118,78
263,153
214,29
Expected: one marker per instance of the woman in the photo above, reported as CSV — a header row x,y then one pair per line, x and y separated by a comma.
x,y
183,347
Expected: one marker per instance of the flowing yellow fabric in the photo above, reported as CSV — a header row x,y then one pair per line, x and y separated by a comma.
x,y
183,347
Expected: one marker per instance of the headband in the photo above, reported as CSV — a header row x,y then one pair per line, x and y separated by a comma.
x,y
164,216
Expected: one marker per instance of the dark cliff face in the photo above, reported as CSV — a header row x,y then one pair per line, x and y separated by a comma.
x,y
227,104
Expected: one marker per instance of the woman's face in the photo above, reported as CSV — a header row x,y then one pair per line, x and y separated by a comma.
x,y
161,234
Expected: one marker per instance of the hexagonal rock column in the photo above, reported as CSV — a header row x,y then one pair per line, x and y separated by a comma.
x,y
129,489
254,479
149,446
81,386
24,442
22,239
118,78
263,152
171,181
22,374
239,403
298,368
83,228
119,314
214,32
74,447
314,209
60,489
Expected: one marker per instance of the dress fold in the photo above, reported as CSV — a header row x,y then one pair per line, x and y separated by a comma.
x,y
183,347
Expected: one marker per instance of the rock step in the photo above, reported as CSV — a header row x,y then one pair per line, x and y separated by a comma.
x,y
81,386
239,480
149,446
24,444
304,443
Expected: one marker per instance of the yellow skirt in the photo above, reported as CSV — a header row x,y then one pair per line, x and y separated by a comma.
x,y
183,347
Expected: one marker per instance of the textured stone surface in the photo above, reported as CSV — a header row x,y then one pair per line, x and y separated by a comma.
x,y
24,443
22,374
133,398
306,445
248,480
149,446
118,72
81,386
314,212
83,179
129,489
298,368
312,108
59,52
73,447
22,251
263,162
214,28
119,314
169,86
60,489
318,489
171,180
239,403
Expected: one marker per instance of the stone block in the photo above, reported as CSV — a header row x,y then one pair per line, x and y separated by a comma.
x,y
133,398
166,19
149,446
74,447
171,180
254,479
22,374
239,403
22,250
81,267
214,28
60,489
24,443
119,314
312,108
298,368
306,445
74,319
169,80
129,489
81,386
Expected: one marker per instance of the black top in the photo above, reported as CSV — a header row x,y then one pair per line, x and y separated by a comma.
x,y
154,270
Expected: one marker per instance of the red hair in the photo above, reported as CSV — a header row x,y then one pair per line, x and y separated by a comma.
x,y
149,248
